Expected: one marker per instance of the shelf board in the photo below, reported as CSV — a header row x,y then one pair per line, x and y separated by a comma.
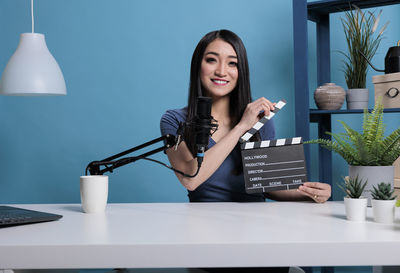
x,y
355,111
319,8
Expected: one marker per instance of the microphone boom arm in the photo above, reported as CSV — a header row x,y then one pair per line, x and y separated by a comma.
x,y
204,126
94,166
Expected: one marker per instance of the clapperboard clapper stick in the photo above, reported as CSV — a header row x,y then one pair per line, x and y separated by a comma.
x,y
272,165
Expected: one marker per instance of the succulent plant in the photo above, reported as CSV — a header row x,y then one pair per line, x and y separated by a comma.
x,y
353,186
383,191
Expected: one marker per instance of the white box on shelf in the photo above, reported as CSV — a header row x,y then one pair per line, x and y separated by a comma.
x,y
397,188
396,165
387,86
397,183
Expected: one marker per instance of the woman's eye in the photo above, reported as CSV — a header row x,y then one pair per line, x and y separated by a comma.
x,y
233,64
210,60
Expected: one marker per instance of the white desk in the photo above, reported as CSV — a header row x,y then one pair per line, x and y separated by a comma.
x,y
200,235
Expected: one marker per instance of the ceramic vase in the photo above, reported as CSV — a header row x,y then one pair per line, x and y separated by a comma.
x,y
329,96
383,210
356,208
357,98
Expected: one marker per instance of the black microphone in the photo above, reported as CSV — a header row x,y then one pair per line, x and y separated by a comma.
x,y
204,124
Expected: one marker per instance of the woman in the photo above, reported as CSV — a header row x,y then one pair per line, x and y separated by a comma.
x,y
219,70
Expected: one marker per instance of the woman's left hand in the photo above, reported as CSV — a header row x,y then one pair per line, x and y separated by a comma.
x,y
319,192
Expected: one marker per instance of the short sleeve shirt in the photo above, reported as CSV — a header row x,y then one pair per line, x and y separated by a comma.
x,y
224,185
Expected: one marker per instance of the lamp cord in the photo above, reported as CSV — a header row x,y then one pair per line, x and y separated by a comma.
x,y
33,19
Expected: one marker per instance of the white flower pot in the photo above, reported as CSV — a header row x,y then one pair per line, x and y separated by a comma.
x,y
383,210
356,208
357,98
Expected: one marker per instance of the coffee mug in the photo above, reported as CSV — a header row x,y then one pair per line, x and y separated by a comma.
x,y
94,193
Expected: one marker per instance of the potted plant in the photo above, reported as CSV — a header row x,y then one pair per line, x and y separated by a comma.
x,y
355,204
383,203
370,154
359,28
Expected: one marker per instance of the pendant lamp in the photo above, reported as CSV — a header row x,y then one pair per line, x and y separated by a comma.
x,y
32,70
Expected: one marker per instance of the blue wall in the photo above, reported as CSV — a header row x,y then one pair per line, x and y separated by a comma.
x,y
125,62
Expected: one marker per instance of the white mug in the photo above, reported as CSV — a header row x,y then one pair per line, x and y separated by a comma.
x,y
94,193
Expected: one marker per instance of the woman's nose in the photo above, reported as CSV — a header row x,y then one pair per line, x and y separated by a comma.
x,y
220,71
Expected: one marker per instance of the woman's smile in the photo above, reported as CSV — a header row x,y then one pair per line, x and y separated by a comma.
x,y
220,82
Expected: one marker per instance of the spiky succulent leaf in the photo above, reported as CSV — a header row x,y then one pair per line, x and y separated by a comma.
x,y
383,191
353,187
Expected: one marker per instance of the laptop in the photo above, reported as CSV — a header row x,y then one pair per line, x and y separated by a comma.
x,y
11,216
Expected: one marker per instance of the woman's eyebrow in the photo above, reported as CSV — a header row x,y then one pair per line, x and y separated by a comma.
x,y
217,54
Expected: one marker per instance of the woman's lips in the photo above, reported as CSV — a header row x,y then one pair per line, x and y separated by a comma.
x,y
219,82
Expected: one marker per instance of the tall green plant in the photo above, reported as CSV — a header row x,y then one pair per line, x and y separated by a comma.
x,y
369,148
359,28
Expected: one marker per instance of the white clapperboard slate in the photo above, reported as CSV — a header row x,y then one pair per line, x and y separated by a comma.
x,y
272,165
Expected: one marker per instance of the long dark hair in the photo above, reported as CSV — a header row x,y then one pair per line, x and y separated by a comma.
x,y
239,97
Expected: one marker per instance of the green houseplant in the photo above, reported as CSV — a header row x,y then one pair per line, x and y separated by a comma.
x,y
360,30
355,204
353,187
369,153
383,203
383,191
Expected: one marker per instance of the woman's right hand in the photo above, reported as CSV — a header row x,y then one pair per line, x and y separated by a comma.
x,y
254,111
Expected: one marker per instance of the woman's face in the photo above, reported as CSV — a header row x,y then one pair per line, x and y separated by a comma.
x,y
219,72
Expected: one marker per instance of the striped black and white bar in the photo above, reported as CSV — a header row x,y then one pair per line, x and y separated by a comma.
x,y
271,143
262,121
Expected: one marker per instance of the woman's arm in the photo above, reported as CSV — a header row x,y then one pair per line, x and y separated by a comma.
x,y
183,160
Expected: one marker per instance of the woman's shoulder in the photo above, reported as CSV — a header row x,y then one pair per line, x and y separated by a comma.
x,y
176,115
170,120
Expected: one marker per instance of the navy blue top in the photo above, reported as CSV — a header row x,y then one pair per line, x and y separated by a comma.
x,y
223,185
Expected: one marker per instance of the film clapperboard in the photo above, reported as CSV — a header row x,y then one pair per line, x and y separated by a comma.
x,y
272,165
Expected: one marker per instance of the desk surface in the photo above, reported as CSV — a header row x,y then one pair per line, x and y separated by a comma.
x,y
200,235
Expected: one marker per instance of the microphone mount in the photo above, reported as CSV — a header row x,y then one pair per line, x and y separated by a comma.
x,y
110,163
204,125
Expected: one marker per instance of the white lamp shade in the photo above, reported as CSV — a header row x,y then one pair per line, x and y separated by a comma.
x,y
32,70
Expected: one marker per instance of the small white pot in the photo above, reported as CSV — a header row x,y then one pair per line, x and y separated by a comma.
x,y
357,98
356,208
383,210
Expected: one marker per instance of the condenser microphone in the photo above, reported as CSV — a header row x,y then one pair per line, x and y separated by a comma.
x,y
203,125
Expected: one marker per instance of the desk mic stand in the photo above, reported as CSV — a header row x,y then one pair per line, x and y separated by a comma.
x,y
111,163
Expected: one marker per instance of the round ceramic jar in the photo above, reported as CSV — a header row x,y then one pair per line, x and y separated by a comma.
x,y
329,96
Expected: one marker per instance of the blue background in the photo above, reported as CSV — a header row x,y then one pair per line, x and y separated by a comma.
x,y
125,63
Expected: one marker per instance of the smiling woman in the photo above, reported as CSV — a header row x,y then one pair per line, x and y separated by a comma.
x,y
220,70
